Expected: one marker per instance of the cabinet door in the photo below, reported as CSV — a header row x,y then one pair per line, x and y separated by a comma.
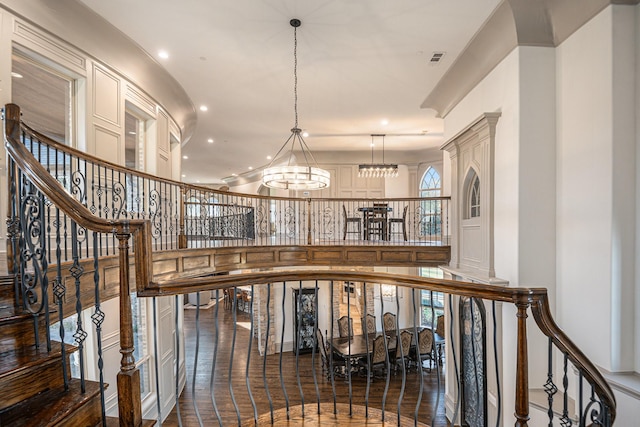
x,y
305,319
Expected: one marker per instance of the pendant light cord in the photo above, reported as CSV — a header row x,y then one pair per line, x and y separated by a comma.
x,y
295,74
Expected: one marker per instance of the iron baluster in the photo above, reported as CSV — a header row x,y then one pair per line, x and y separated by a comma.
x,y
177,389
195,361
455,366
213,364
418,356
77,271
495,353
253,402
59,290
315,340
366,338
233,346
284,389
549,387
266,347
565,421
98,318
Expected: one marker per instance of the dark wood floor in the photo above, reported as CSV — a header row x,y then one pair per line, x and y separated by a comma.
x,y
305,366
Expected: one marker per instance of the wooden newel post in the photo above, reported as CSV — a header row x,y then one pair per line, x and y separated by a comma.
x,y
522,368
129,401
182,237
12,130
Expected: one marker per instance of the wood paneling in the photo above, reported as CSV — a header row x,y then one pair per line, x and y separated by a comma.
x,y
107,144
106,96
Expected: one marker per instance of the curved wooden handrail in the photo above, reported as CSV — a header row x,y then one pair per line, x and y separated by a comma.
x,y
197,284
54,191
542,315
191,187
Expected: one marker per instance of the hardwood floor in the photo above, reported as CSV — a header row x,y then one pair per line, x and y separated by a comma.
x,y
236,377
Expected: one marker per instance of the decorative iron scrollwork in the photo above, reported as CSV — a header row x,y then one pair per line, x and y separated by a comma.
x,y
33,261
290,221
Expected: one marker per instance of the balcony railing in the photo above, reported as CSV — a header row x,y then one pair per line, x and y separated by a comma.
x,y
70,213
183,215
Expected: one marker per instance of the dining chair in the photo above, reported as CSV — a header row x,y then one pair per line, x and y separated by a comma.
x,y
403,345
440,325
424,350
350,220
389,322
245,298
337,363
368,324
345,327
401,221
378,358
376,222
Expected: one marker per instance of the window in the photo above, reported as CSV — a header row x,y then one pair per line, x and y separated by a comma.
x,y
473,195
45,97
430,211
430,185
134,136
431,302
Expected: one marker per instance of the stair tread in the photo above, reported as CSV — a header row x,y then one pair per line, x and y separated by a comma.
x,y
16,360
50,406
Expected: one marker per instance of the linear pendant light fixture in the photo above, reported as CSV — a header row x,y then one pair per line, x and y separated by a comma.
x,y
377,170
292,176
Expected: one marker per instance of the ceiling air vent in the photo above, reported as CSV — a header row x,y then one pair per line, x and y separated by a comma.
x,y
436,58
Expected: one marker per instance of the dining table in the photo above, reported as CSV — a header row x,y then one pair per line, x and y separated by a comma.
x,y
360,346
373,213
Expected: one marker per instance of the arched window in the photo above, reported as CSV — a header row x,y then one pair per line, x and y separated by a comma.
x,y
429,214
430,185
472,184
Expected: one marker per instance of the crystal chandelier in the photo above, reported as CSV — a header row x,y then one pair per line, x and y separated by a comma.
x,y
295,177
377,170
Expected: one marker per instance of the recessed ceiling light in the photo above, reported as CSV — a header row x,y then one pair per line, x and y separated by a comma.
x,y
250,168
16,75
185,157
131,132
203,108
384,122
372,145
184,176
268,157
163,54
234,174
210,140
305,134
198,181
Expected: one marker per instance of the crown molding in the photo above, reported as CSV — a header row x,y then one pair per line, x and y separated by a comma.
x,y
514,23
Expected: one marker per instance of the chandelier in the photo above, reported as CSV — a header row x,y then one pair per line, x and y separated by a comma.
x,y
377,170
291,176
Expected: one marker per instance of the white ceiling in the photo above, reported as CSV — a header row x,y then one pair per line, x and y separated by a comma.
x,y
359,62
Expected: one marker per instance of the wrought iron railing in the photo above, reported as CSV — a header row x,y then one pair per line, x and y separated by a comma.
x,y
65,217
184,215
334,376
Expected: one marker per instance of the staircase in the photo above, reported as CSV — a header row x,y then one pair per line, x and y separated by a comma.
x,y
32,386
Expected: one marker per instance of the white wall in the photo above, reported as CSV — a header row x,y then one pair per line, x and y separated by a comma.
x,y
498,92
596,195
565,186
